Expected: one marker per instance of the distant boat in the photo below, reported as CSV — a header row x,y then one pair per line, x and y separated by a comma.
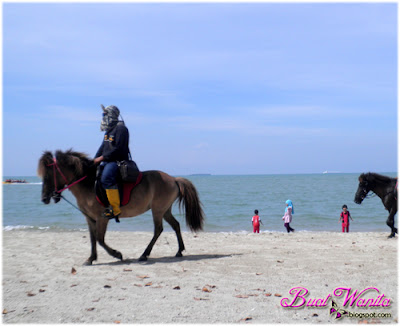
x,y
325,172
9,181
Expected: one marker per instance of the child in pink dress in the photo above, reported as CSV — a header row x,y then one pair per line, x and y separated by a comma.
x,y
345,218
256,222
287,218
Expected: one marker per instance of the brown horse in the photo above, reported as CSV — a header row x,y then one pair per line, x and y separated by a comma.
x,y
157,191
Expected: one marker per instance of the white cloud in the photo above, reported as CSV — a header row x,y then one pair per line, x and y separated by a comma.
x,y
242,125
63,113
201,145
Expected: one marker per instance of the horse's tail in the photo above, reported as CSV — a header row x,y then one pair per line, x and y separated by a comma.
x,y
189,198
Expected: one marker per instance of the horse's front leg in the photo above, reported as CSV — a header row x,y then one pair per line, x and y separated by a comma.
x,y
93,241
390,221
158,228
101,228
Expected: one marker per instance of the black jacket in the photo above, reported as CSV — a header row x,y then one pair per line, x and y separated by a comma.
x,y
115,146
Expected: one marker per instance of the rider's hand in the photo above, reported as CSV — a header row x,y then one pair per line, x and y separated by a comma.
x,y
97,160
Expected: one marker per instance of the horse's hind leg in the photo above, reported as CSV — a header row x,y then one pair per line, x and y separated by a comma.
x,y
390,222
101,228
158,228
176,227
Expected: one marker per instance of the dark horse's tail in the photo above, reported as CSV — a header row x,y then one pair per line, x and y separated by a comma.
x,y
189,198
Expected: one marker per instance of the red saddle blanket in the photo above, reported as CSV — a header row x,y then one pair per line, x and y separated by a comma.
x,y
125,190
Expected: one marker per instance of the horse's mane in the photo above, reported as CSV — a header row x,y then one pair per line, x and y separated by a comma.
x,y
78,162
371,176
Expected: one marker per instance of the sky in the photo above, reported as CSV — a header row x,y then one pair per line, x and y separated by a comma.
x,y
220,88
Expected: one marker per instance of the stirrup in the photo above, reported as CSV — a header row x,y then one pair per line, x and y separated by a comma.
x,y
109,213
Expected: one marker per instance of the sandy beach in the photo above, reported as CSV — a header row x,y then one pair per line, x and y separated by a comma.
x,y
222,278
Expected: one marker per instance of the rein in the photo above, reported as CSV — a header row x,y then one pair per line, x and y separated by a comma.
x,y
371,195
55,166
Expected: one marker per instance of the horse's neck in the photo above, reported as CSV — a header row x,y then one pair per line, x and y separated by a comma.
x,y
379,192
381,189
83,193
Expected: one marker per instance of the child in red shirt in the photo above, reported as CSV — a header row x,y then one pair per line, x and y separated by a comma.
x,y
344,218
256,222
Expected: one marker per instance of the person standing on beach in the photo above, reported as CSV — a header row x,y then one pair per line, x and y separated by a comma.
x,y
344,218
114,148
256,222
287,218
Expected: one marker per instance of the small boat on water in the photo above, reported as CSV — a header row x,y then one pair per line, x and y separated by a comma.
x,y
9,181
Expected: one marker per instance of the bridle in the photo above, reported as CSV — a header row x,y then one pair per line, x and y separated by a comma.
x,y
57,193
365,191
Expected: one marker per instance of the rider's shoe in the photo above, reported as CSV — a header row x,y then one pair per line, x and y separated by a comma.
x,y
109,213
113,211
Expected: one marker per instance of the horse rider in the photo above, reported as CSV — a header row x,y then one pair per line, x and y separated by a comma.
x,y
114,148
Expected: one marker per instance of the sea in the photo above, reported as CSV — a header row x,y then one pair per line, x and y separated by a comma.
x,y
228,202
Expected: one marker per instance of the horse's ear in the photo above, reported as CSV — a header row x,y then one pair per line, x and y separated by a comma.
x,y
76,162
361,177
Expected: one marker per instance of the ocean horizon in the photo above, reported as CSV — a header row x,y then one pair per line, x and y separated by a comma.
x,y
228,202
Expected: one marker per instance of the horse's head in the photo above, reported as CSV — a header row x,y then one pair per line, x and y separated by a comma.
x,y
49,178
364,186
57,172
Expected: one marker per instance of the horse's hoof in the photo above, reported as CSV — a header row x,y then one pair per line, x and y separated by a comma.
x,y
179,254
143,258
118,255
391,236
87,263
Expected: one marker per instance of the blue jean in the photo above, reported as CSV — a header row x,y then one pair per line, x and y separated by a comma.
x,y
288,228
109,175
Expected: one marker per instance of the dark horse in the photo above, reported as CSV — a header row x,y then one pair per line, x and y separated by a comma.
x,y
385,188
157,191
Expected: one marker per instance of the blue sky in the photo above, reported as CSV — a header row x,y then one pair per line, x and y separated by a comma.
x,y
205,88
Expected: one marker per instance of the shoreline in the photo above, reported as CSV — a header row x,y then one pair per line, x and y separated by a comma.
x,y
30,228
235,175
221,278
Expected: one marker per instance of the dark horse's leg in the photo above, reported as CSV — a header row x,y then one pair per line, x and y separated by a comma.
x,y
390,221
92,231
101,228
158,228
176,227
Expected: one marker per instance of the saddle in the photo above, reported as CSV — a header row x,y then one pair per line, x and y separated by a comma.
x,y
125,190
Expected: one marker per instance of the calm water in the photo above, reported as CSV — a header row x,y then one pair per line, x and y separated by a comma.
x,y
229,203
